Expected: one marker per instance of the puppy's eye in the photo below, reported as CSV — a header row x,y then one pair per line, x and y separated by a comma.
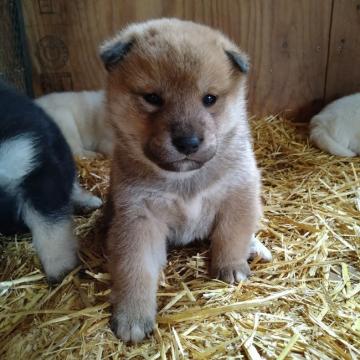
x,y
209,100
153,99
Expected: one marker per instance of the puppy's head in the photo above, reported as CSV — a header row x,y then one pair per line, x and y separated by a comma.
x,y
175,90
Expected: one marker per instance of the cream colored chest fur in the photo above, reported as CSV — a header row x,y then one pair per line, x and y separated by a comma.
x,y
190,219
187,219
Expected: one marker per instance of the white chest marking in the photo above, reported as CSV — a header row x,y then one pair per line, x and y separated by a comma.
x,y
192,208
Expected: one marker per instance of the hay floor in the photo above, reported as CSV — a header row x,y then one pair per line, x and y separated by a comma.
x,y
305,304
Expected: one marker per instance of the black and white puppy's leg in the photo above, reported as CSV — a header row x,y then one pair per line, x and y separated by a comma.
x,y
83,199
53,240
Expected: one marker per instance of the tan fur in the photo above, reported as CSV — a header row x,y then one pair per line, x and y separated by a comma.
x,y
157,195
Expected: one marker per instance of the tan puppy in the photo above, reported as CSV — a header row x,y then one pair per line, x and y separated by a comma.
x,y
80,117
183,166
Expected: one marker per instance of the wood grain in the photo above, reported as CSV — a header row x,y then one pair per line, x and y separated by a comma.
x,y
344,55
286,40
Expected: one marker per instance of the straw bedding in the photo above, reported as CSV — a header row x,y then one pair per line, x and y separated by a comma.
x,y
305,304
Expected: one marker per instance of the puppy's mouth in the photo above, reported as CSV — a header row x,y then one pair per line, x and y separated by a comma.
x,y
182,165
170,160
179,165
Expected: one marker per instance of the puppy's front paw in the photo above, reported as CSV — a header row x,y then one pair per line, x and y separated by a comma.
x,y
232,273
132,327
57,268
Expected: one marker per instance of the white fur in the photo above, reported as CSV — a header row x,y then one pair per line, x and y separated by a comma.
x,y
258,249
54,242
336,129
84,199
17,159
80,117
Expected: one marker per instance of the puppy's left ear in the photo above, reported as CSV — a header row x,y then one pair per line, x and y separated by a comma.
x,y
113,54
239,60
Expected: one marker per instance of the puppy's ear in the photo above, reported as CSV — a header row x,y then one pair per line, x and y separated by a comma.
x,y
113,54
239,60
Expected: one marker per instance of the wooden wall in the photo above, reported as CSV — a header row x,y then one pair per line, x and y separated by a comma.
x,y
302,51
343,76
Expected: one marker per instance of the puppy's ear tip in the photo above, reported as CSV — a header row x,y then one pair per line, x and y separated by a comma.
x,y
112,54
239,60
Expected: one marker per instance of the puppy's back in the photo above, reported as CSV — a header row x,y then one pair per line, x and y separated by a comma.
x,y
80,116
20,115
84,105
336,129
29,138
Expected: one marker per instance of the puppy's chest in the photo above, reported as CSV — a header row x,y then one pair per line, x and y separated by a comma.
x,y
187,219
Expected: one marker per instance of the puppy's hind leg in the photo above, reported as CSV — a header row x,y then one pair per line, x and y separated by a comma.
x,y
259,249
54,242
83,199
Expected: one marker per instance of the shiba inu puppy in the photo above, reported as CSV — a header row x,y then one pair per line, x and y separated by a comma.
x,y
183,165
80,117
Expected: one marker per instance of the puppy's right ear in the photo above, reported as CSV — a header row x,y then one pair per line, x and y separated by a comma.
x,y
114,53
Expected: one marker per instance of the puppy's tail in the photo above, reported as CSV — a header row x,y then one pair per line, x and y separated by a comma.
x,y
320,136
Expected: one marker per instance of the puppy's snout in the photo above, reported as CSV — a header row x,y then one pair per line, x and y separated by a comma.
x,y
187,144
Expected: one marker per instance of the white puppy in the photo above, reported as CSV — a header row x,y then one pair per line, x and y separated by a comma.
x,y
336,129
80,117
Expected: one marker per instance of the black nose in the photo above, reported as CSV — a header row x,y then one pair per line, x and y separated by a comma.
x,y
187,144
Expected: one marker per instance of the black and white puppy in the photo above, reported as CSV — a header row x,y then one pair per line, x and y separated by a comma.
x,y
38,186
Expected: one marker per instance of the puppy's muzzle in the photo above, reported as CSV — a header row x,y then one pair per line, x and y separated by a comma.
x,y
187,144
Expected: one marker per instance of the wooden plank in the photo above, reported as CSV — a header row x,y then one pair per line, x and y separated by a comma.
x,y
288,45
343,76
13,64
286,40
